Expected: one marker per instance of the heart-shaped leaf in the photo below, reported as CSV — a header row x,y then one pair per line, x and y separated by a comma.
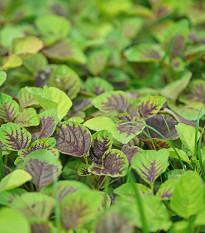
x,y
66,80
102,142
34,205
114,164
28,117
14,137
111,101
150,164
130,151
43,166
73,139
48,122
150,106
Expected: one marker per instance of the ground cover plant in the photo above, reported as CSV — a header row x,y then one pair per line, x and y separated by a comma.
x,y
102,116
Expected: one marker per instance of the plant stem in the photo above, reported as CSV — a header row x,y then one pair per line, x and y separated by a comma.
x,y
103,181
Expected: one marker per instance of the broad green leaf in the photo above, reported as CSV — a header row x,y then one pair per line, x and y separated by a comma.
x,y
166,189
28,117
8,110
111,101
64,78
34,205
11,61
130,151
13,221
187,136
127,190
188,196
48,122
73,139
199,221
174,89
150,164
26,99
144,53
3,76
14,179
54,26
182,154
97,86
97,61
6,197
43,166
26,46
79,208
14,137
64,51
150,106
114,164
51,97
101,143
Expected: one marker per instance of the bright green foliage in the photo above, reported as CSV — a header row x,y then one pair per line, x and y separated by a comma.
x,y
28,117
2,77
11,61
189,192
14,179
8,109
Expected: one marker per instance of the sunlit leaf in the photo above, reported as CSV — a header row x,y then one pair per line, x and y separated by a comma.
x,y
8,110
166,189
28,117
26,99
150,164
11,61
73,139
2,77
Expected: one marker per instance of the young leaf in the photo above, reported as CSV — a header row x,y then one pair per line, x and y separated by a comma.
x,y
64,78
102,142
111,101
73,139
51,97
28,117
114,164
34,205
150,106
43,166
79,208
26,99
48,122
11,61
150,164
186,134
12,220
166,189
189,192
14,137
8,110
130,151
14,179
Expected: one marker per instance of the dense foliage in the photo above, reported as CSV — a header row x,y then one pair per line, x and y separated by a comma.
x,y
102,116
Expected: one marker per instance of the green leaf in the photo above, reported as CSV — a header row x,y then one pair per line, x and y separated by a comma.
x,y
114,164
73,139
14,137
97,61
6,197
34,205
28,117
144,53
79,208
101,143
51,97
13,221
26,46
66,80
14,179
127,190
3,76
8,110
186,134
26,99
111,101
150,106
166,189
188,196
11,61
174,89
97,86
150,164
54,26
43,166
182,154
48,122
